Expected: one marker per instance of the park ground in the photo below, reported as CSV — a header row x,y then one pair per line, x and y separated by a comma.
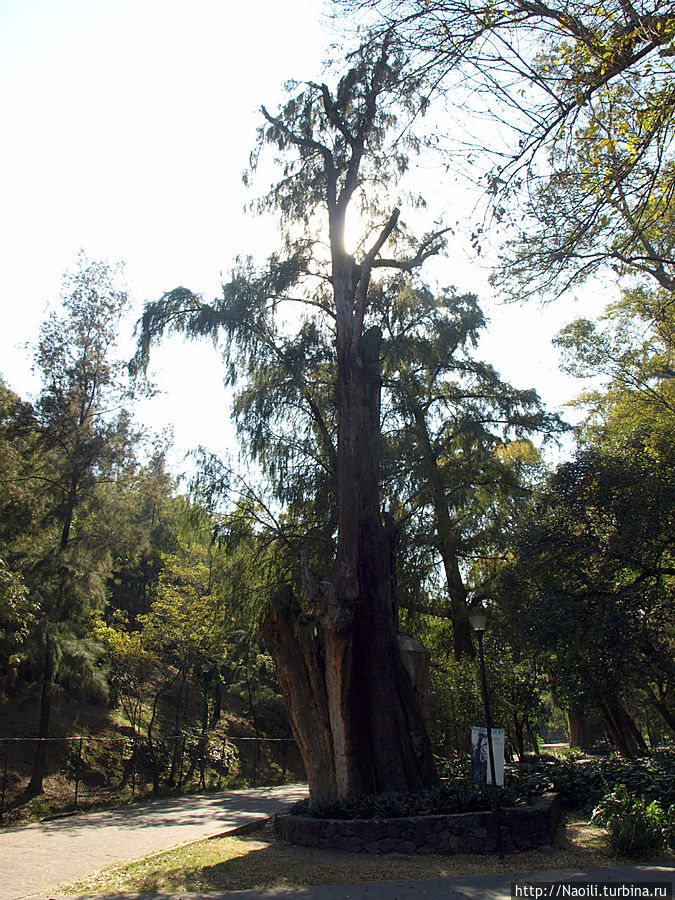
x,y
255,861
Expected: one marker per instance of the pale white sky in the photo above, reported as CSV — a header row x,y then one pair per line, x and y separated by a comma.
x,y
126,125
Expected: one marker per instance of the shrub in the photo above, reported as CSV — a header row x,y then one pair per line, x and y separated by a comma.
x,y
583,782
578,782
450,797
634,827
456,768
669,828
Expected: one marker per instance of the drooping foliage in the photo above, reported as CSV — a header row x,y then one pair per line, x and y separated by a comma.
x,y
337,152
449,419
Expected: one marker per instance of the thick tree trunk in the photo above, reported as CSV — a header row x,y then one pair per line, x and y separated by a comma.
x,y
622,729
353,708
377,722
299,657
354,711
578,728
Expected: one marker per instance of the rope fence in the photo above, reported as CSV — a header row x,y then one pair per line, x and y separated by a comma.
x,y
83,771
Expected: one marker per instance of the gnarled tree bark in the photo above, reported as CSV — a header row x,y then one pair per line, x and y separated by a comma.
x,y
354,710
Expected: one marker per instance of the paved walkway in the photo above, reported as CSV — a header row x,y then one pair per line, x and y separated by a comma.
x,y
35,858
468,887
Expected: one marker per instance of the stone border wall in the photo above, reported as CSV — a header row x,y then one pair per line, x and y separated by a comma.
x,y
523,827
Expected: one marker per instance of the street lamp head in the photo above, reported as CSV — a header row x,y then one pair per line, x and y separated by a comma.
x,y
478,620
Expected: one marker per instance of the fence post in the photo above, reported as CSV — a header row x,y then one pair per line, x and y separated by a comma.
x,y
5,747
284,759
256,760
133,769
77,770
223,763
181,759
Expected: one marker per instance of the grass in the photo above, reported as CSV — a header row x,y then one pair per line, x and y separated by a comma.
x,y
256,861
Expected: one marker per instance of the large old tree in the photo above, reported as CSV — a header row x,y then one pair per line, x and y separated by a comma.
x,y
355,712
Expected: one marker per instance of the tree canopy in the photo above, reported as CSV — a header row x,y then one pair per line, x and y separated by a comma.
x,y
580,170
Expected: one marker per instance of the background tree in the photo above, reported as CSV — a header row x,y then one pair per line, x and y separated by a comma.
x,y
131,667
590,584
17,615
447,418
630,416
188,622
628,355
82,441
19,513
148,519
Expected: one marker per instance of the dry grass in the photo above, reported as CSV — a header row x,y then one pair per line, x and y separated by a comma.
x,y
256,861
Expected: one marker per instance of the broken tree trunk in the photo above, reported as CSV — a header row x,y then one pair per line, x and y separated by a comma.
x,y
354,710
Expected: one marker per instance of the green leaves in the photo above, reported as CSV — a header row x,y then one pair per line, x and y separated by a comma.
x,y
453,796
188,620
632,348
579,163
591,578
18,613
635,828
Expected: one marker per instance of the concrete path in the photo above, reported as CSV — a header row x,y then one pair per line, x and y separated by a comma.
x,y
467,887
35,858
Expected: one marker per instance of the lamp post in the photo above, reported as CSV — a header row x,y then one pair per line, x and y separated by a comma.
x,y
478,622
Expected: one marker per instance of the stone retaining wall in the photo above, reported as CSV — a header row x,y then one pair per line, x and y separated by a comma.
x,y
523,827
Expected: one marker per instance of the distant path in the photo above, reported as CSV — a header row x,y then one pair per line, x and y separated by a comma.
x,y
35,858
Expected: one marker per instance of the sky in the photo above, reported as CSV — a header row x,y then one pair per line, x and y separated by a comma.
x,y
126,127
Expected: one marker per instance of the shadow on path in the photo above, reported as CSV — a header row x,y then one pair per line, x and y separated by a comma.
x,y
35,858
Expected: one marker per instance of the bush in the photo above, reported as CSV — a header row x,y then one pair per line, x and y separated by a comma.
x,y
578,782
635,828
669,828
456,769
653,779
582,783
450,797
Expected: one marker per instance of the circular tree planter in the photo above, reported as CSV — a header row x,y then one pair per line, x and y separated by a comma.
x,y
522,827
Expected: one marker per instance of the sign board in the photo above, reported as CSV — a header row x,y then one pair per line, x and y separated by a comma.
x,y
480,757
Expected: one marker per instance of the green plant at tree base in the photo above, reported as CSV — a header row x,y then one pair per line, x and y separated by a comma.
x,y
458,796
635,828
